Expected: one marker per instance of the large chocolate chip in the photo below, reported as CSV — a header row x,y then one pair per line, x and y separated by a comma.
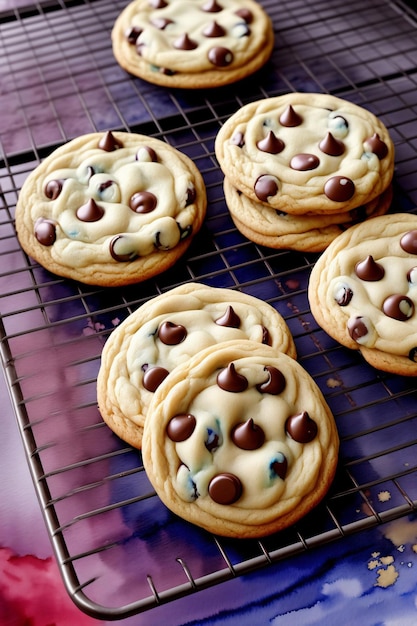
x,y
181,427
304,162
275,382
248,435
332,146
53,188
377,146
121,250
408,242
90,212
265,187
271,144
225,488
213,30
301,427
171,334
230,380
45,232
185,43
369,270
109,143
153,377
245,14
212,7
143,202
290,118
145,154
220,56
339,188
229,318
399,307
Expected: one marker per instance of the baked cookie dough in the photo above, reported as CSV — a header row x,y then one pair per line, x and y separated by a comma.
x,y
304,153
165,332
363,291
192,43
269,227
240,441
111,208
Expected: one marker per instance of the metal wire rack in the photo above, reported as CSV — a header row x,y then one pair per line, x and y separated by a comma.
x,y
120,551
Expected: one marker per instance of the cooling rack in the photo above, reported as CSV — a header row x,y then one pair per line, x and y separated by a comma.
x,y
119,550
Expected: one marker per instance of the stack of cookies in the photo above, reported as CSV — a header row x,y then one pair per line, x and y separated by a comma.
x,y
236,437
301,168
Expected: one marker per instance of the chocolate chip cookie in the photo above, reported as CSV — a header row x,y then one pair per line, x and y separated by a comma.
x,y
363,291
240,441
192,43
111,208
165,332
306,153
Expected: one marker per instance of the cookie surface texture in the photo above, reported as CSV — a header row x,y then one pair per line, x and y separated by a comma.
x,y
311,233
111,208
192,43
240,441
306,153
165,332
363,291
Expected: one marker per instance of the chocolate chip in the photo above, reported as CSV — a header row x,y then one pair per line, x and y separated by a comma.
x,y
339,188
171,334
181,427
357,328
412,276
412,355
133,33
332,146
161,22
143,202
377,146
275,382
214,30
225,488
158,4
266,337
271,144
265,187
213,440
245,14
304,162
185,43
301,427
229,318
145,154
343,295
121,250
153,377
408,242
191,196
90,212
53,188
238,139
45,231
398,307
220,57
339,126
290,118
248,436
109,143
230,380
369,270
212,7
279,466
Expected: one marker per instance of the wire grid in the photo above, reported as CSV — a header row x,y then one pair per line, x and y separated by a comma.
x,y
120,551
